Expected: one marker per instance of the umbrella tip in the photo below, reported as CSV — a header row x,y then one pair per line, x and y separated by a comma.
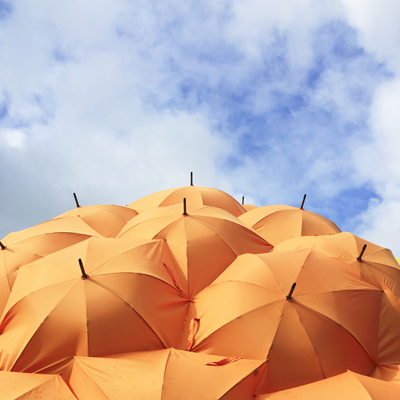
x,y
242,200
76,200
2,246
191,179
302,203
289,296
84,275
184,206
359,258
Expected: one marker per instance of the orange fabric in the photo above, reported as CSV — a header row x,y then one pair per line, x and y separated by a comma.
x,y
346,386
331,324
193,194
15,385
204,243
164,374
279,223
53,314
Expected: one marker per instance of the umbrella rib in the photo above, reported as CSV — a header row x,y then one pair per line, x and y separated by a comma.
x,y
84,370
312,344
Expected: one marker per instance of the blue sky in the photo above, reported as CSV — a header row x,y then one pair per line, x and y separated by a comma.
x,y
268,100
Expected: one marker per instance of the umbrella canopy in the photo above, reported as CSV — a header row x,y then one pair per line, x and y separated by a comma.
x,y
106,220
346,386
324,325
23,247
375,264
17,385
59,308
203,240
164,374
194,194
279,223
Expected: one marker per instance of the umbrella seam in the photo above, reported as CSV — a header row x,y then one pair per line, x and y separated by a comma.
x,y
165,373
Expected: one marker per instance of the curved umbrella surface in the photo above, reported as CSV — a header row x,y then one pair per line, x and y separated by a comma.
x,y
164,374
107,220
279,223
376,265
128,301
199,195
203,242
17,385
346,386
329,322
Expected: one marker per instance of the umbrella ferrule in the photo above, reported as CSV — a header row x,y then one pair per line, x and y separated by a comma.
x,y
84,275
289,296
76,200
191,179
302,203
359,258
184,206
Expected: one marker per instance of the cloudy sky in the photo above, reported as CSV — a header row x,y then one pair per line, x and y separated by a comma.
x,y
114,100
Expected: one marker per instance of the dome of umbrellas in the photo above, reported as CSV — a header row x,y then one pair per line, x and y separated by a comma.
x,y
188,294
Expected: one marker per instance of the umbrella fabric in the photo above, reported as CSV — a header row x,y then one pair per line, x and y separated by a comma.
x,y
17,385
389,373
204,242
167,374
378,266
329,325
10,260
193,194
346,386
29,245
106,220
130,301
279,223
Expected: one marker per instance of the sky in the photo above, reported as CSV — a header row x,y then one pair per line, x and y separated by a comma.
x,y
263,99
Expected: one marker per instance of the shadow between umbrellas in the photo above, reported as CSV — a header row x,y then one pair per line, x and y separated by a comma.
x,y
329,325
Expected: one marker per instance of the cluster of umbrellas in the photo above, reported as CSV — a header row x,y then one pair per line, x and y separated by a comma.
x,y
187,294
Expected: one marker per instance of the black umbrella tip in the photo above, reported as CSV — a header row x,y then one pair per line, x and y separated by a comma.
x,y
289,296
2,246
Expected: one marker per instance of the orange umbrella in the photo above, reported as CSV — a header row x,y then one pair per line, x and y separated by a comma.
x,y
203,240
346,386
23,247
375,264
194,194
10,260
279,223
106,220
321,326
122,296
165,374
16,385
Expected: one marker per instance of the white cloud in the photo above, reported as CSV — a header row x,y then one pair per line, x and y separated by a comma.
x,y
12,138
